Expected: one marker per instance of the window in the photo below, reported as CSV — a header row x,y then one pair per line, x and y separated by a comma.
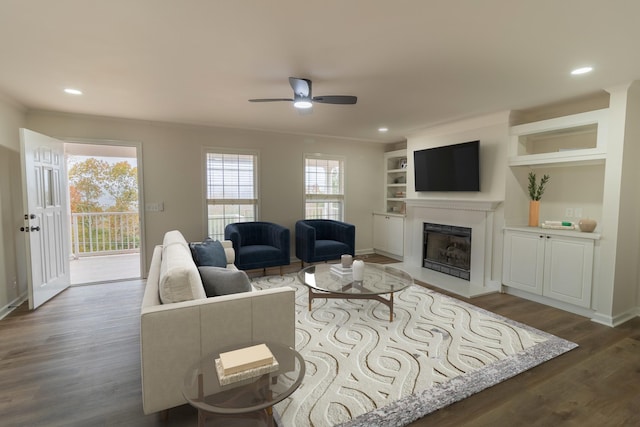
x,y
324,187
231,189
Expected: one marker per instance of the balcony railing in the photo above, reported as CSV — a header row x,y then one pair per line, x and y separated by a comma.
x,y
102,233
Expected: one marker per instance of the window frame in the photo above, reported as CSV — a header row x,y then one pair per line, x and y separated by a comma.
x,y
332,198
256,181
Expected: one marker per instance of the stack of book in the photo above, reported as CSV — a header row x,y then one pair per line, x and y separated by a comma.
x,y
245,363
340,270
559,225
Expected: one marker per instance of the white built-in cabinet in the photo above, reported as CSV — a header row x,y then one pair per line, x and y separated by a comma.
x,y
388,226
553,265
388,234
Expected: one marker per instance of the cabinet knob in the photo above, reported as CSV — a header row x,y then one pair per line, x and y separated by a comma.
x,y
548,237
541,236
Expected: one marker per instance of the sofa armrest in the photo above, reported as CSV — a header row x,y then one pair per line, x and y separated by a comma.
x,y
230,253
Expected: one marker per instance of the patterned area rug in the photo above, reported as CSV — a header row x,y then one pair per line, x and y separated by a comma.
x,y
363,370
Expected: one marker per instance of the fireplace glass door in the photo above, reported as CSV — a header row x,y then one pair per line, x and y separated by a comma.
x,y
447,249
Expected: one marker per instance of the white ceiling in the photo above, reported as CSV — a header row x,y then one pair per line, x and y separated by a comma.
x,y
411,63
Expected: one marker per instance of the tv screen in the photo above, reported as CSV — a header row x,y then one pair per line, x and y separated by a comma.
x,y
449,168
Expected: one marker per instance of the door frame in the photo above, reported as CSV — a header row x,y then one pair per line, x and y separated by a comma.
x,y
138,146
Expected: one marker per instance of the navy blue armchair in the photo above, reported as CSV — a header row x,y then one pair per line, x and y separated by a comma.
x,y
324,239
259,244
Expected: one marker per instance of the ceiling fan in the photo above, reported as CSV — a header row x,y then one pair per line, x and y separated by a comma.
x,y
303,99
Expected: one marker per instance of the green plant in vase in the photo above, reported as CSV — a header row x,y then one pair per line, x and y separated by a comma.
x,y
536,190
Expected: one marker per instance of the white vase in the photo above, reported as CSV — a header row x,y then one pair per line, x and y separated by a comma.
x,y
358,270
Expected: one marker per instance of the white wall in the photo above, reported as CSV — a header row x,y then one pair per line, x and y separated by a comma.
x,y
627,280
172,170
13,281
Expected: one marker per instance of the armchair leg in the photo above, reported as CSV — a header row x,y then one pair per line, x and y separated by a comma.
x,y
301,264
281,270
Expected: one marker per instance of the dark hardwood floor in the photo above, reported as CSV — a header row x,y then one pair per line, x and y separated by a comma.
x,y
76,362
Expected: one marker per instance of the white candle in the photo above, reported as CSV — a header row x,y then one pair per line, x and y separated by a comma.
x,y
346,260
358,270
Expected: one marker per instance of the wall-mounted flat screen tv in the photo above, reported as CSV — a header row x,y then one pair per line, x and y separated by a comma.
x,y
449,168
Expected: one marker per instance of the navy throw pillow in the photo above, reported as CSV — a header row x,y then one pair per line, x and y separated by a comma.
x,y
209,253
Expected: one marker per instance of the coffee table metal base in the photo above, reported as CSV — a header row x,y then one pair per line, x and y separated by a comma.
x,y
313,294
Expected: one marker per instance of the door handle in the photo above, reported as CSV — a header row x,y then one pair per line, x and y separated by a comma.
x,y
36,228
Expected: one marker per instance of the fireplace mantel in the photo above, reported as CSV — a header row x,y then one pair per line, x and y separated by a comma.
x,y
478,215
466,205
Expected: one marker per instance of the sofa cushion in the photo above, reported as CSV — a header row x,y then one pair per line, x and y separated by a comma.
x,y
179,277
221,281
209,253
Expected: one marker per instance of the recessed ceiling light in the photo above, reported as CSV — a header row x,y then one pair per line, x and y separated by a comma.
x,y
383,129
581,70
72,91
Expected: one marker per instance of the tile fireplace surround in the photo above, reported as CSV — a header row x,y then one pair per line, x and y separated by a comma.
x,y
477,215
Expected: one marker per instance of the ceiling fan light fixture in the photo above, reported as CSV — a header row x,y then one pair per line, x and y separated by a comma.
x,y
302,104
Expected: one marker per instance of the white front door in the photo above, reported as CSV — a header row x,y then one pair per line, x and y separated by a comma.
x,y
45,216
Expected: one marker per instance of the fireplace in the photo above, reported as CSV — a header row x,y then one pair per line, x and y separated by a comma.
x,y
479,217
447,249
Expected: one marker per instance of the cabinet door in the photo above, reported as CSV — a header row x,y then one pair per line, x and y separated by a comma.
x,y
523,261
379,232
568,269
388,234
395,235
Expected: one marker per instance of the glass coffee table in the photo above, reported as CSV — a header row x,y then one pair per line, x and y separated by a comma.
x,y
244,400
378,280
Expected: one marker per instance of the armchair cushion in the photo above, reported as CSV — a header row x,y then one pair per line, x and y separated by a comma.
x,y
220,281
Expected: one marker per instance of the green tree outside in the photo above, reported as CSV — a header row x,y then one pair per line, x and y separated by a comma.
x,y
97,186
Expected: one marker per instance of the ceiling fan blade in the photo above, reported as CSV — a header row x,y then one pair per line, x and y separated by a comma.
x,y
271,99
301,87
336,99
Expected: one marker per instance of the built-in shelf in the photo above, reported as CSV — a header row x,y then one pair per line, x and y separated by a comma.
x,y
578,138
395,181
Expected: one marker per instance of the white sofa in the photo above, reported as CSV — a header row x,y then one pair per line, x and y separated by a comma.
x,y
174,336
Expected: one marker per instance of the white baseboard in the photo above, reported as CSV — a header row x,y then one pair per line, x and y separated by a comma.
x,y
618,319
4,311
388,255
580,311
602,319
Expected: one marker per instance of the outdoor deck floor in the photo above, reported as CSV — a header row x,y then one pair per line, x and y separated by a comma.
x,y
105,268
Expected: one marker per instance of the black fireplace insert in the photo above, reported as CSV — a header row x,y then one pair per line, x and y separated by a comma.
x,y
447,249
